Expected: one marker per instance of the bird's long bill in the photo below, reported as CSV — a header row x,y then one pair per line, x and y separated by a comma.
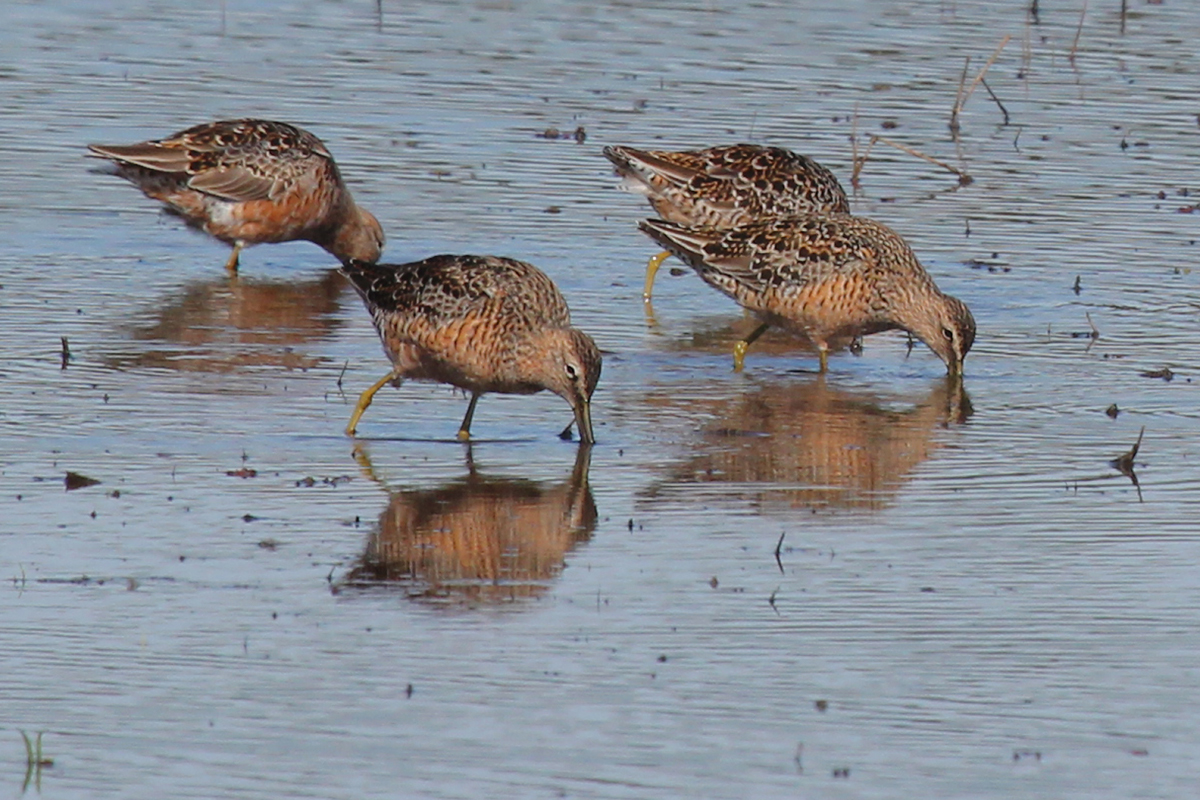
x,y
583,421
954,368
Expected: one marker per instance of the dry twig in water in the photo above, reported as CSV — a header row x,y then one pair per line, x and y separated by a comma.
x,y
963,177
1124,462
964,96
992,94
1078,31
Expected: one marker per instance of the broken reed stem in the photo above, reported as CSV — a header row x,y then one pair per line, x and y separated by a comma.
x,y
861,161
854,143
1136,445
992,94
958,97
963,177
1124,462
1078,31
963,98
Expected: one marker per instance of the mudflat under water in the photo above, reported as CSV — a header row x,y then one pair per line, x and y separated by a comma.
x,y
766,584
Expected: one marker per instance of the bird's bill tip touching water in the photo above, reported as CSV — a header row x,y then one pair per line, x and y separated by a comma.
x,y
583,420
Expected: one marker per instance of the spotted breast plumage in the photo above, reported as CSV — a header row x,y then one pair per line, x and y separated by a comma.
x,y
828,278
249,181
726,186
481,323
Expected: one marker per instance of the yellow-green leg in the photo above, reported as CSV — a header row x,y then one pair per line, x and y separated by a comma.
x,y
464,430
232,264
739,349
364,400
651,271
823,355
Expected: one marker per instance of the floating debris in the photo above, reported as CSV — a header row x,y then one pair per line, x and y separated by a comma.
x,y
1165,373
1112,411
579,134
1124,463
990,266
332,481
75,480
244,472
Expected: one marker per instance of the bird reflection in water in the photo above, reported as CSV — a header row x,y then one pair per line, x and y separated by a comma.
x,y
477,540
231,324
797,445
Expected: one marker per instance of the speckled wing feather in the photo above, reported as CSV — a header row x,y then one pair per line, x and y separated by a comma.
x,y
729,185
451,288
238,160
777,252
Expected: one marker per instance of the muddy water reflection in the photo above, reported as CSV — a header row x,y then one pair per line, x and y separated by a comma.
x,y
807,444
229,324
477,540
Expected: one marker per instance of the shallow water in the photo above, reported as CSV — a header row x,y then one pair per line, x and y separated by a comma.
x,y
767,584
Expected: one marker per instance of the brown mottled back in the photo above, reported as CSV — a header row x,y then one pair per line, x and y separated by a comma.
x,y
728,185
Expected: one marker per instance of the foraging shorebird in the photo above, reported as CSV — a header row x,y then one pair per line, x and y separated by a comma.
x,y
727,186
481,323
826,278
248,181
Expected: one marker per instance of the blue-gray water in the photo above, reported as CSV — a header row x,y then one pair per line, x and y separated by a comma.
x,y
968,602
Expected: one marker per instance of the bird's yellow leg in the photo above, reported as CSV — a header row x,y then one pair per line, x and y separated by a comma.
x,y
651,271
739,349
364,400
651,320
231,265
823,355
464,430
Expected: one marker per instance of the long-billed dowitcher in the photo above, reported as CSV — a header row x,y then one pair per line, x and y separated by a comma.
x,y
248,181
726,186
827,278
481,323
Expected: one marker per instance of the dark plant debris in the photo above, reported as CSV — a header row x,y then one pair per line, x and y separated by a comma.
x,y
333,481
1112,411
75,480
990,266
1124,462
1165,373
244,472
579,134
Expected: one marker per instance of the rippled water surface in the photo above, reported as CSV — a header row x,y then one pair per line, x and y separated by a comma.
x,y
766,584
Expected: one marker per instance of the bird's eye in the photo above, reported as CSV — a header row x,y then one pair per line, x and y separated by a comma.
x,y
949,334
571,372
